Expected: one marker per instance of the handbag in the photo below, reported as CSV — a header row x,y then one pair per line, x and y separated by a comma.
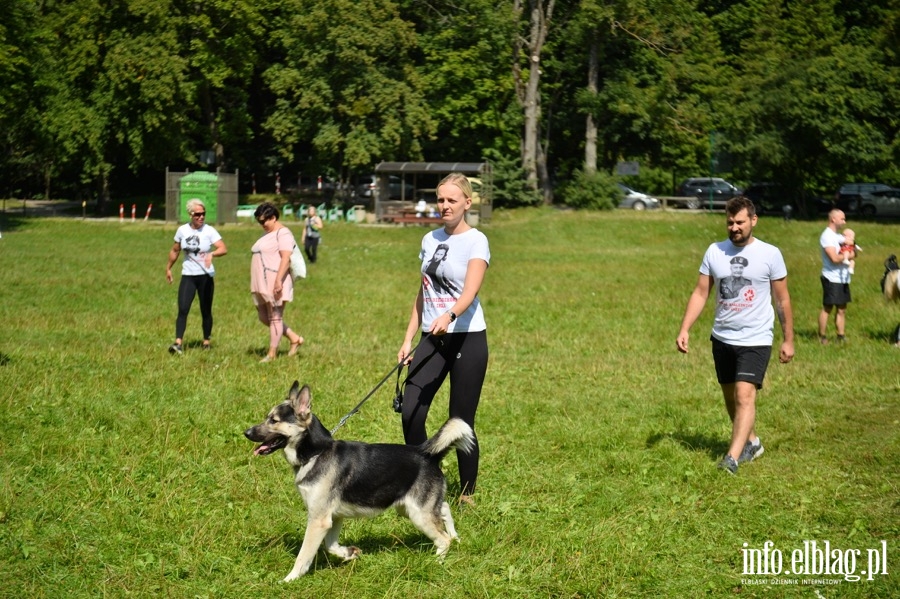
x,y
298,264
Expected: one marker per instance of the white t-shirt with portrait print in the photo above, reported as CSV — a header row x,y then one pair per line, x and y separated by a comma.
x,y
445,260
195,244
745,318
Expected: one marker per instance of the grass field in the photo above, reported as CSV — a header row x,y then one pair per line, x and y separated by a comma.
x,y
124,471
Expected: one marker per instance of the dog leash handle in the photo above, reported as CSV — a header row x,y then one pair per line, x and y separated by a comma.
x,y
378,386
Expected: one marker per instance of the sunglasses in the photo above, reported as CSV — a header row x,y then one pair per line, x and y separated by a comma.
x,y
262,221
199,214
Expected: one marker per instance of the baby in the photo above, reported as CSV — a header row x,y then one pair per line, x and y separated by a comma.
x,y
848,248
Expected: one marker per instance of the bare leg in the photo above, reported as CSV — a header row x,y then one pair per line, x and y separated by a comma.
x,y
823,320
740,401
840,318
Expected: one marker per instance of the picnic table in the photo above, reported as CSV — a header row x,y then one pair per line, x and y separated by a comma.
x,y
407,213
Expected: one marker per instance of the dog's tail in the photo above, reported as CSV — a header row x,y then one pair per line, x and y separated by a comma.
x,y
455,434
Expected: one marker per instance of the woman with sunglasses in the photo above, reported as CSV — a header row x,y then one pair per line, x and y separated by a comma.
x,y
200,243
270,281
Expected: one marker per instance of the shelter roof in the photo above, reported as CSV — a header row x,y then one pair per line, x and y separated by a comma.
x,y
432,167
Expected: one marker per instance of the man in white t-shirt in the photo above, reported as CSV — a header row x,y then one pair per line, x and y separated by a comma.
x,y
742,330
835,277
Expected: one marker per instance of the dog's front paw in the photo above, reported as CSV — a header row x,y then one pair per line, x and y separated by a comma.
x,y
352,553
293,576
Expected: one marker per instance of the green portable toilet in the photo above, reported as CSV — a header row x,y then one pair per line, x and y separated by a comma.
x,y
203,186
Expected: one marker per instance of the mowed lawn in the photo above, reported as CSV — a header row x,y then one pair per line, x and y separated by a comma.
x,y
124,470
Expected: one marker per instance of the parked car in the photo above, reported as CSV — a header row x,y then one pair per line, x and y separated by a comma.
x,y
849,195
884,202
397,188
310,189
704,188
636,200
771,198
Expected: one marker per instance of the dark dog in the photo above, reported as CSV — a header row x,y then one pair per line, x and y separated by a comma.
x,y
350,479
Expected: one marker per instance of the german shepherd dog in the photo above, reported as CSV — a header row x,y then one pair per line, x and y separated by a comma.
x,y
351,479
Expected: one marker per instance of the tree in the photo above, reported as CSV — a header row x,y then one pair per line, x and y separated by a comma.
x,y
112,85
222,42
466,81
527,48
349,90
22,147
645,77
815,109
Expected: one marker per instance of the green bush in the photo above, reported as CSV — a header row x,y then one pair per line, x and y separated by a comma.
x,y
596,191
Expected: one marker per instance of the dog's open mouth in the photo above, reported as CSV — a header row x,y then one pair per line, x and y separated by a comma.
x,y
268,447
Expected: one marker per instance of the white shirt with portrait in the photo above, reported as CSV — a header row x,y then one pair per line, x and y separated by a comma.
x,y
445,260
195,244
748,319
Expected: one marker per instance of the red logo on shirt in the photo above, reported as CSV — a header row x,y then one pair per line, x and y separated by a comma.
x,y
749,295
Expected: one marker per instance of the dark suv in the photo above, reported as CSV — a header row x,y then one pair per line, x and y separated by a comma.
x,y
705,187
849,196
769,198
772,198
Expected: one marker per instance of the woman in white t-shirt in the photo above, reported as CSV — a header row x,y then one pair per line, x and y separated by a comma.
x,y
448,313
200,243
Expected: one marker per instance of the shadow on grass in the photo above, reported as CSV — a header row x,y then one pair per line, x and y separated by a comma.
x,y
367,544
807,334
885,335
712,446
4,359
9,224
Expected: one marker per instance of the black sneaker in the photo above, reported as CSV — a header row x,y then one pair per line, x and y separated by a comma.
x,y
728,464
751,452
175,348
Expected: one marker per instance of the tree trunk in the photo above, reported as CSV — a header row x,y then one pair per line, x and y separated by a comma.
x,y
212,123
590,128
103,198
528,92
48,174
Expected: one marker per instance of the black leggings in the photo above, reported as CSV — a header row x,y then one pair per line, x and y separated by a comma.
x,y
464,356
203,286
311,245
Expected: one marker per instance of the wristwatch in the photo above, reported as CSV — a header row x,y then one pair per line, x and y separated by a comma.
x,y
452,316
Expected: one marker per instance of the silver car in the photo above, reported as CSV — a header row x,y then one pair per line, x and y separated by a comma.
x,y
636,200
884,202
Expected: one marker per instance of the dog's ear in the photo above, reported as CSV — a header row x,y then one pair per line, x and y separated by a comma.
x,y
301,400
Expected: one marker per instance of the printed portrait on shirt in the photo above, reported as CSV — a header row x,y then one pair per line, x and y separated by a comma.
x,y
730,287
436,274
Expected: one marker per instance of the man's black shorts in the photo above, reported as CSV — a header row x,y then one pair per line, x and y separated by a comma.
x,y
737,363
835,294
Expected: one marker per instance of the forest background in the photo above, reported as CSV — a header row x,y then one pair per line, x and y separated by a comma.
x,y
99,97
